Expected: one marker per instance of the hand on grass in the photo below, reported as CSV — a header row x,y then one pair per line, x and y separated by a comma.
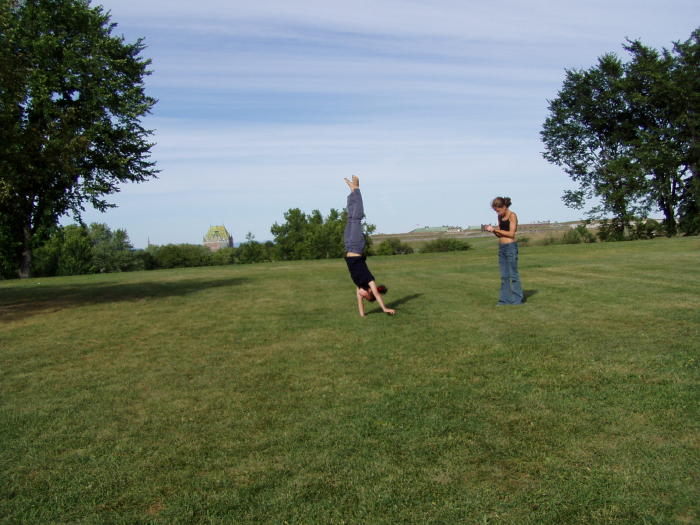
x,y
353,184
390,311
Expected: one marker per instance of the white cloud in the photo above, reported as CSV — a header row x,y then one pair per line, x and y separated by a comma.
x,y
267,105
511,20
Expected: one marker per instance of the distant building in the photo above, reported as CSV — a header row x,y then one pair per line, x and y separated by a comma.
x,y
437,229
218,237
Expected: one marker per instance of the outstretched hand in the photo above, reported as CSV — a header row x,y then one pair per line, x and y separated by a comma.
x,y
353,184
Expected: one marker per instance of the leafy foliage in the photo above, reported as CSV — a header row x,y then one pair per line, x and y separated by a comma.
x,y
646,229
181,256
77,249
578,235
253,251
312,236
111,251
627,133
71,100
444,245
393,247
223,256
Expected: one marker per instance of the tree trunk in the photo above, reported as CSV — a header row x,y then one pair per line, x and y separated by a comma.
x,y
25,268
669,218
669,222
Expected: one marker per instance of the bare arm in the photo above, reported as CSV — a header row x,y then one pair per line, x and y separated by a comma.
x,y
506,233
378,296
360,304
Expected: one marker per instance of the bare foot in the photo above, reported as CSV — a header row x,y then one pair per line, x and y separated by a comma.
x,y
353,184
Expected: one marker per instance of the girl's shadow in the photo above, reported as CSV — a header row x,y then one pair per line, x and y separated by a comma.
x,y
398,302
402,300
528,293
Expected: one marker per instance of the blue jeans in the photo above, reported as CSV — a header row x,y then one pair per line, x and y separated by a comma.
x,y
511,291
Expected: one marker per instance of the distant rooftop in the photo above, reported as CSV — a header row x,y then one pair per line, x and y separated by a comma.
x,y
217,233
435,229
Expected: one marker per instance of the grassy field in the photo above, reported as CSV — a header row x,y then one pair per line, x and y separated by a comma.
x,y
256,394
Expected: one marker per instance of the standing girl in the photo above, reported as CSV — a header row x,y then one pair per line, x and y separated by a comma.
x,y
511,290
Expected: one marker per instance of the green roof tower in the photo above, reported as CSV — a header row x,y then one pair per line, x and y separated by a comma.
x,y
218,237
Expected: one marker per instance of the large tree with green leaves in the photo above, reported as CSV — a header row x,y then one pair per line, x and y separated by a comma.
x,y
588,134
626,133
71,102
312,236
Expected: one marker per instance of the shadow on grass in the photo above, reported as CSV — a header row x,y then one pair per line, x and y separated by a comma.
x,y
397,302
21,302
528,293
404,299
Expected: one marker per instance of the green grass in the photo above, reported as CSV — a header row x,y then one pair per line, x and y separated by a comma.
x,y
256,394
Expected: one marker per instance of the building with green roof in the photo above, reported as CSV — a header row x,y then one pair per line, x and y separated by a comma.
x,y
218,237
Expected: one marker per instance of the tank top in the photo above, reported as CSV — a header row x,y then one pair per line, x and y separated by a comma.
x,y
504,225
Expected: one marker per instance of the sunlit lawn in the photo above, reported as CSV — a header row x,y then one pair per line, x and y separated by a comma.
x,y
256,394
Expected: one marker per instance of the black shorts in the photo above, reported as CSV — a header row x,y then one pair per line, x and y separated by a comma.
x,y
359,272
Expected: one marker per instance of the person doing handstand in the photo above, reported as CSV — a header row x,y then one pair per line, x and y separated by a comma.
x,y
367,288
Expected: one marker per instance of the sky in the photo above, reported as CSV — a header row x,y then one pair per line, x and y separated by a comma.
x,y
437,107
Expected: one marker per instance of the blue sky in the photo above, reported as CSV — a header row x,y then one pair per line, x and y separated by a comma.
x,y
436,106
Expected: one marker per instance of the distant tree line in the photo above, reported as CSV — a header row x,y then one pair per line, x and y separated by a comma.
x,y
95,248
72,100
605,231
79,249
82,249
629,135
76,249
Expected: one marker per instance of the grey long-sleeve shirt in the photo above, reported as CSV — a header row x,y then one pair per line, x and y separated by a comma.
x,y
354,238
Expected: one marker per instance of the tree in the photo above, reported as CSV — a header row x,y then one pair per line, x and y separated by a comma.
x,y
685,76
393,247
46,258
312,236
111,250
144,260
223,256
71,100
75,257
324,238
77,249
442,244
662,90
252,251
627,134
587,133
290,235
181,256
